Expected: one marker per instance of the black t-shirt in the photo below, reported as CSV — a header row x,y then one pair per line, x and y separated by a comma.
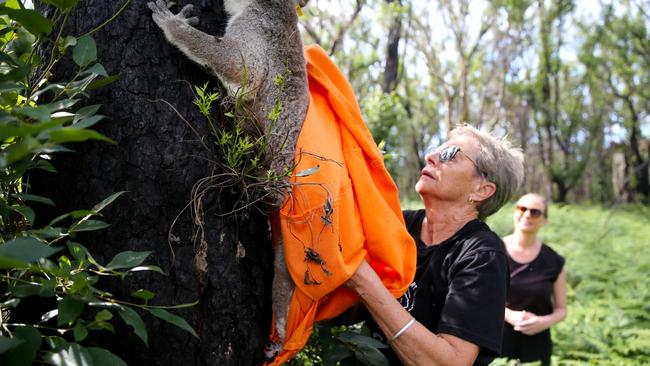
x,y
531,284
460,286
531,289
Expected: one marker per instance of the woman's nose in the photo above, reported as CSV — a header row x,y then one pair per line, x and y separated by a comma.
x,y
432,157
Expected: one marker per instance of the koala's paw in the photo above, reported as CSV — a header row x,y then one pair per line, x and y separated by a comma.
x,y
162,15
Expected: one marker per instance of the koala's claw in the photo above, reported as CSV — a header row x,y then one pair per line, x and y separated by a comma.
x,y
187,9
161,12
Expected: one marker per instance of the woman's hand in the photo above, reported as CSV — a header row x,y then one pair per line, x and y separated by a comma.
x,y
531,324
515,316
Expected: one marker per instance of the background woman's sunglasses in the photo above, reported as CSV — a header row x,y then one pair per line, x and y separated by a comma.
x,y
534,212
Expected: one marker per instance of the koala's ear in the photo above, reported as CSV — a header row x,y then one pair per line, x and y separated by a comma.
x,y
302,3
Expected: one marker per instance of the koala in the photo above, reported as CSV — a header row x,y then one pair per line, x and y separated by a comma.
x,y
261,41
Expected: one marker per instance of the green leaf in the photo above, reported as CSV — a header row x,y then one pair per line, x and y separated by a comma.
x,y
127,259
103,357
69,310
143,294
62,4
44,165
173,319
107,201
132,318
68,355
103,315
34,22
35,198
97,69
21,251
87,111
307,172
147,268
7,343
26,212
5,57
85,51
25,353
360,340
80,332
370,356
69,41
95,84
87,122
39,113
78,251
89,225
70,134
339,353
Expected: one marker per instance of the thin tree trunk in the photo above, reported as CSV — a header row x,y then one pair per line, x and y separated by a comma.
x,y
157,158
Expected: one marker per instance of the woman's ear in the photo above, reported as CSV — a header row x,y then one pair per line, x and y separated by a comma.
x,y
484,191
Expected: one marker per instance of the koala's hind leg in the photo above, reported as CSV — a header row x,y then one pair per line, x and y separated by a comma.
x,y
221,56
282,291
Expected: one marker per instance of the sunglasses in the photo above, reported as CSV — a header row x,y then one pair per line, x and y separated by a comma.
x,y
534,212
449,153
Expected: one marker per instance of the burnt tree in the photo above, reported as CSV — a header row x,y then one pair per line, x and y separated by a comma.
x,y
157,159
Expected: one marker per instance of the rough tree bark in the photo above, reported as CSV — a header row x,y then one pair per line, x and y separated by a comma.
x,y
157,159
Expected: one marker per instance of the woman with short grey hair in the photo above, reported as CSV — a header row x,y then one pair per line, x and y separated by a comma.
x,y
452,313
499,162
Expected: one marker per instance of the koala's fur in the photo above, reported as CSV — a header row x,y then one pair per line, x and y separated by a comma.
x,y
262,40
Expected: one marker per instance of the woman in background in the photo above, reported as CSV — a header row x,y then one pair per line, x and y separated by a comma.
x,y
537,297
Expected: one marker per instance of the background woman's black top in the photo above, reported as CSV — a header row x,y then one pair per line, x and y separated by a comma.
x,y
531,289
460,286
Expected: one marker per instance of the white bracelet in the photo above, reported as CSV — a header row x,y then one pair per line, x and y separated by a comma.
x,y
401,331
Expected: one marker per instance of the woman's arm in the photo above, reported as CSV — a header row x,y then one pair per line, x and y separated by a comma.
x,y
417,345
533,324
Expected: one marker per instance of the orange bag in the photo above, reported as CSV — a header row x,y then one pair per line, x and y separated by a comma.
x,y
342,207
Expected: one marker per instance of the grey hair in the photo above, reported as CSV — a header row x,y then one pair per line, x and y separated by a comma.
x,y
500,162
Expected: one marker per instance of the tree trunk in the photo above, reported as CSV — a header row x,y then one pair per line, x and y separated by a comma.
x,y
391,68
157,158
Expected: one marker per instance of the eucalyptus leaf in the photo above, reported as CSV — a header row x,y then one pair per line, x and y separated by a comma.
x,y
89,225
360,340
80,332
173,319
127,259
147,268
97,69
68,355
87,111
69,134
35,198
33,22
69,310
101,82
107,201
143,294
308,172
104,357
21,251
62,4
85,51
23,354
132,318
339,353
87,122
7,343
26,211
370,356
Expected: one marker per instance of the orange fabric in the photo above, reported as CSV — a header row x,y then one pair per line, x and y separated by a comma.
x,y
338,167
